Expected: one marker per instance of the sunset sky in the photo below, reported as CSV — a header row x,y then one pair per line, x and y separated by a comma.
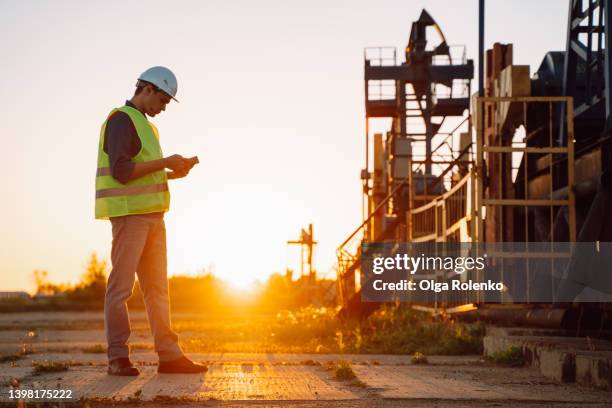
x,y
271,100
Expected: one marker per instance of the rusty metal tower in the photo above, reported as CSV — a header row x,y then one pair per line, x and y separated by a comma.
x,y
418,95
433,84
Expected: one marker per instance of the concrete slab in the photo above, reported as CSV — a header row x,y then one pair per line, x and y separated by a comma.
x,y
417,382
594,368
566,359
222,382
470,383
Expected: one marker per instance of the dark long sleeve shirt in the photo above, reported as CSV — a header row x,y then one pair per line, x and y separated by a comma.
x,y
121,143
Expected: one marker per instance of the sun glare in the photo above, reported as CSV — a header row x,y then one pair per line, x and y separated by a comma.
x,y
241,285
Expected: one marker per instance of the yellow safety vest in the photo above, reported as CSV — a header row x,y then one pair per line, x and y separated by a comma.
x,y
147,194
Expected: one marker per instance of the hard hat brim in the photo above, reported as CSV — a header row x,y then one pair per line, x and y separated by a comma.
x,y
140,80
173,98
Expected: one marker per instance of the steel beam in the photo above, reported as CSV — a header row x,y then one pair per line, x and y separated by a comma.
x,y
416,73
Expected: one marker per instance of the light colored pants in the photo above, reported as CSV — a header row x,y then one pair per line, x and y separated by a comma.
x,y
139,246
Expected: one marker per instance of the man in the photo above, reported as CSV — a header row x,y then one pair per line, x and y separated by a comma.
x,y
132,191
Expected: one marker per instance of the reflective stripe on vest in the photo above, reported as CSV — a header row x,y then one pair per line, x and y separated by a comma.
x,y
135,190
146,194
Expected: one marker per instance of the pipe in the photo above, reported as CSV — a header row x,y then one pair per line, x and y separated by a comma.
x,y
481,33
545,318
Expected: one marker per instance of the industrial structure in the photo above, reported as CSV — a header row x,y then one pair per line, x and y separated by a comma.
x,y
527,160
306,243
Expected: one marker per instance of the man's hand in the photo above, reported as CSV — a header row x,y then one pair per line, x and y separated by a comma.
x,y
187,165
179,165
176,163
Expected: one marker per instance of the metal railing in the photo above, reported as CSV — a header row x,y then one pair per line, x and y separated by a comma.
x,y
380,56
349,252
445,218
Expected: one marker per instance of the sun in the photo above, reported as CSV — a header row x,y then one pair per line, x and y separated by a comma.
x,y
240,284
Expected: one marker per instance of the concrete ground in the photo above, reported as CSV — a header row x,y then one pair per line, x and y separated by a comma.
x,y
260,379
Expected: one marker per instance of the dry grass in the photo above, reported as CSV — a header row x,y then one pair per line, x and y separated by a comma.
x,y
94,349
511,357
389,330
419,358
41,367
343,371
318,330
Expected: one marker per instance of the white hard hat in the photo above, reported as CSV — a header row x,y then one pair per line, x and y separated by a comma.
x,y
162,78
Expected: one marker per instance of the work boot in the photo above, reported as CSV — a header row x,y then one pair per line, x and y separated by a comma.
x,y
181,365
122,366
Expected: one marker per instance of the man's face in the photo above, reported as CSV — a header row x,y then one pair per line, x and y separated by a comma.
x,y
155,100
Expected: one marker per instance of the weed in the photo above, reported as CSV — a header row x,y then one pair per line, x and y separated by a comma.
x,y
343,371
95,349
419,358
401,330
46,366
511,357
